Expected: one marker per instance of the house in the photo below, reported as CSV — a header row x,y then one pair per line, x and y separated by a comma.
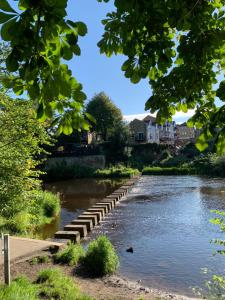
x,y
185,134
152,130
138,131
167,133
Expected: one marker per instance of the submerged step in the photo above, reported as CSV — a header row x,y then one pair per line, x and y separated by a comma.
x,y
92,217
82,229
88,223
69,235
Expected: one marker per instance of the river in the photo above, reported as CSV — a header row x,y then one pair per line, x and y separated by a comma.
x,y
166,221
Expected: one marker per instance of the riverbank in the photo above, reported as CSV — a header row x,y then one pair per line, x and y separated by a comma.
x,y
106,288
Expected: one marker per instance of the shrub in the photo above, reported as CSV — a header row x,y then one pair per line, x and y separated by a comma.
x,y
101,257
40,260
166,171
115,172
19,289
55,285
71,255
46,206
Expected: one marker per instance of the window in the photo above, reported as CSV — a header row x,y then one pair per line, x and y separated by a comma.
x,y
140,136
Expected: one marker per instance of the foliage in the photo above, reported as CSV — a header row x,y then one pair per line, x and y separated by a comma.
x,y
166,171
179,46
71,255
116,172
55,285
115,148
46,205
106,114
21,139
40,260
21,288
62,171
101,257
40,38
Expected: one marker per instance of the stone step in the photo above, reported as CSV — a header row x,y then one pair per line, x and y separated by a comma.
x,y
104,206
68,235
88,223
90,213
94,218
112,201
97,209
80,228
109,204
116,197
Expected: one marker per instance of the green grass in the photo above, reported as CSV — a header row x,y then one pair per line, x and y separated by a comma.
x,y
101,257
71,255
40,260
19,289
166,171
55,285
116,172
51,284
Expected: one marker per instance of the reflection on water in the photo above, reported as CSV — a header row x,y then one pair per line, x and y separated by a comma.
x,y
166,221
77,195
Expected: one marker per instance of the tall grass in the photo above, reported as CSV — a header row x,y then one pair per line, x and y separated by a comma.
x,y
71,255
166,171
101,257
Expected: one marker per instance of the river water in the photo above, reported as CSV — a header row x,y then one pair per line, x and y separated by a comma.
x,y
77,195
166,221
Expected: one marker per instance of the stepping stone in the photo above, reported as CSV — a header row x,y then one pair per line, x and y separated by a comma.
x,y
116,197
69,235
109,204
88,223
90,213
97,209
80,228
94,218
112,202
104,206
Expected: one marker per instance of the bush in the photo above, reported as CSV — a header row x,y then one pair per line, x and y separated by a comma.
x,y
166,171
63,171
115,172
19,289
71,255
46,206
55,285
101,257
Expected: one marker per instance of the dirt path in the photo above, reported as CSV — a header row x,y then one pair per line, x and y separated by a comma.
x,y
106,288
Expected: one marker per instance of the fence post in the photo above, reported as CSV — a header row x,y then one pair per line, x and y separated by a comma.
x,y
6,259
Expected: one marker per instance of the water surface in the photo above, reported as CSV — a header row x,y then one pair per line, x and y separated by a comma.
x,y
166,221
76,196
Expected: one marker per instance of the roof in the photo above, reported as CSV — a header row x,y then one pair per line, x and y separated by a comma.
x,y
149,118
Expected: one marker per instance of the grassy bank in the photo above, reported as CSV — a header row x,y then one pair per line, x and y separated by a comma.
x,y
63,172
166,171
41,209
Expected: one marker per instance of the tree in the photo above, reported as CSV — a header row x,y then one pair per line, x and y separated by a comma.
x,y
40,37
179,46
21,143
106,114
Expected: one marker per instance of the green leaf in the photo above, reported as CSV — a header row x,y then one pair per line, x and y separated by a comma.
x,y
82,28
6,29
201,143
67,129
11,64
5,17
4,5
90,117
